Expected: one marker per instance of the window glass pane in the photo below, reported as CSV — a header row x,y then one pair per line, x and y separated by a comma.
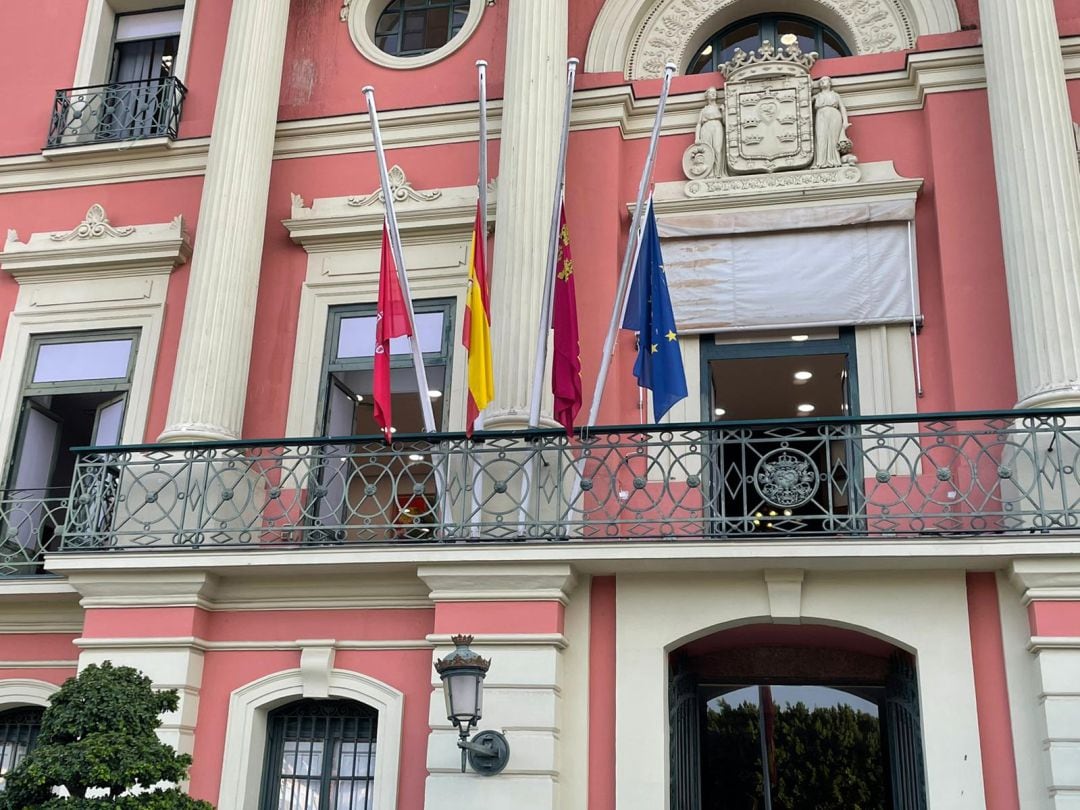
x,y
806,33
87,360
357,336
831,46
149,25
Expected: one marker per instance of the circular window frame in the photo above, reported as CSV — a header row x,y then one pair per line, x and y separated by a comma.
x,y
364,14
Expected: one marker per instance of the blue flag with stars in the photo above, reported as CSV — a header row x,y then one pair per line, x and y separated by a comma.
x,y
659,364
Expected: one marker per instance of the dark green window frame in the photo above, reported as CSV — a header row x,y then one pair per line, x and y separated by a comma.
x,y
332,362
95,385
329,727
19,730
712,53
391,26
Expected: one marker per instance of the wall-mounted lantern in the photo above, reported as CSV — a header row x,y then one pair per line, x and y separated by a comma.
x,y
462,673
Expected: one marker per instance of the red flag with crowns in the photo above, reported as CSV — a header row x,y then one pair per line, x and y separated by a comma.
x,y
566,363
391,321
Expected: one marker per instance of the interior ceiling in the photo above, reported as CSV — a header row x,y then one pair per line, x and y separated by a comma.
x,y
765,387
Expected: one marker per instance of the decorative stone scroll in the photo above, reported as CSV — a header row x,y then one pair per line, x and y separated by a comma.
x,y
400,188
776,128
95,226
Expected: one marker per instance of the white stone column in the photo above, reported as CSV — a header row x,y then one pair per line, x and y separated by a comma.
x,y
533,96
1038,185
210,383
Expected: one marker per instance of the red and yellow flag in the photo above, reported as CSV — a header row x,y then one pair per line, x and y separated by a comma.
x,y
391,321
476,336
566,363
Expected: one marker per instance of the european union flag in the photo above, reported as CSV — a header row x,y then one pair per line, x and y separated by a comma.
x,y
659,364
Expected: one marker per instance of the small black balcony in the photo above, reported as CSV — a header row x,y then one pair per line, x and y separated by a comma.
x,y
122,111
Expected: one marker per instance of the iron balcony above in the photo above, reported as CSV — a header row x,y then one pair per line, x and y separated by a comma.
x,y
122,111
956,475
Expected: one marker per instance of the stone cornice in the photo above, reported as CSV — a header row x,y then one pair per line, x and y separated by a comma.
x,y
926,73
1050,579
878,183
426,215
530,582
95,247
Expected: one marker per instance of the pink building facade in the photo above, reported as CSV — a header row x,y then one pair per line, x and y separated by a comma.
x,y
869,497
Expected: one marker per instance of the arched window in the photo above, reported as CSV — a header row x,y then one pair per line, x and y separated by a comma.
x,y
320,754
18,732
416,27
749,33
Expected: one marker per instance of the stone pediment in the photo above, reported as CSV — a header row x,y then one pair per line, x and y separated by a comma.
x,y
97,247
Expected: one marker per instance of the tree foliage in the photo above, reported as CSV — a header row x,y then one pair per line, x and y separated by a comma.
x,y
827,758
98,735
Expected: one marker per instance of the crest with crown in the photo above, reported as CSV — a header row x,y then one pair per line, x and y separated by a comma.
x,y
767,61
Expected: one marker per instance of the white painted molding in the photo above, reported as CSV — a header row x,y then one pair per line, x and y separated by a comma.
x,y
505,640
96,248
361,16
342,236
878,183
316,663
1040,643
245,735
931,72
885,553
16,692
784,588
193,642
110,278
1046,579
157,589
637,37
525,582
430,216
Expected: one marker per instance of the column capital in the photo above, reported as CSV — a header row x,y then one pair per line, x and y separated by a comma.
x,y
520,582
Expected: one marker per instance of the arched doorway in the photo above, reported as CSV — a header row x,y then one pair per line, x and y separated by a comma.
x,y
787,717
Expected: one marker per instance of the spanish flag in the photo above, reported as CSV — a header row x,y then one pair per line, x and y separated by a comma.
x,y
476,336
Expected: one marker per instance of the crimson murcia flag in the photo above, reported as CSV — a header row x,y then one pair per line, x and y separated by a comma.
x,y
566,364
391,321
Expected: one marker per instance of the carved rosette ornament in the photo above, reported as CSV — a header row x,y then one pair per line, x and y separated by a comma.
x,y
775,127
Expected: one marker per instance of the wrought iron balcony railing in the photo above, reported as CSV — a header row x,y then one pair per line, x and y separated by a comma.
x,y
30,522
943,474
122,111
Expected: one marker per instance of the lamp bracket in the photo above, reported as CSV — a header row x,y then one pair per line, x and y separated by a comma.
x,y
488,752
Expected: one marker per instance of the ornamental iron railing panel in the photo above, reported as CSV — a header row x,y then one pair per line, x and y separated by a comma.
x,y
30,522
121,111
950,474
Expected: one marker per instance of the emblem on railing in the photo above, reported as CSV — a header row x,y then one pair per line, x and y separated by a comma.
x,y
786,478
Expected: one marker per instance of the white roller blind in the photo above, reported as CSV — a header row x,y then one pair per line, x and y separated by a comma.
x,y
149,25
739,278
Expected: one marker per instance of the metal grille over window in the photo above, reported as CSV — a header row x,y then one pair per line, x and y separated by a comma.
x,y
18,732
417,27
321,756
748,35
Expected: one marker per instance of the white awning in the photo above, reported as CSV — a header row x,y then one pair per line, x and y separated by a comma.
x,y
796,268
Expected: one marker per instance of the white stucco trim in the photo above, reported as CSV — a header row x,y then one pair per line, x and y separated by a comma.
x,y
342,237
78,283
633,37
922,612
362,15
15,692
245,735
95,49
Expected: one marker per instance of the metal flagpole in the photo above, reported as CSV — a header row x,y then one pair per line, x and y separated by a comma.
x,y
553,251
544,326
632,241
481,247
403,278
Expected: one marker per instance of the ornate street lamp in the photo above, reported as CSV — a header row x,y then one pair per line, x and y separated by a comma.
x,y
462,673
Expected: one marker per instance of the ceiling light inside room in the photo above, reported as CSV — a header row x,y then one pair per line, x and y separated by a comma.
x,y
806,407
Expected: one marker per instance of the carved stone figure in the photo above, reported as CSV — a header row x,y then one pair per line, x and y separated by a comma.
x,y
710,131
830,127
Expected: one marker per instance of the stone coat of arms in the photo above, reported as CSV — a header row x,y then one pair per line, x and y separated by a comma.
x,y
773,118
